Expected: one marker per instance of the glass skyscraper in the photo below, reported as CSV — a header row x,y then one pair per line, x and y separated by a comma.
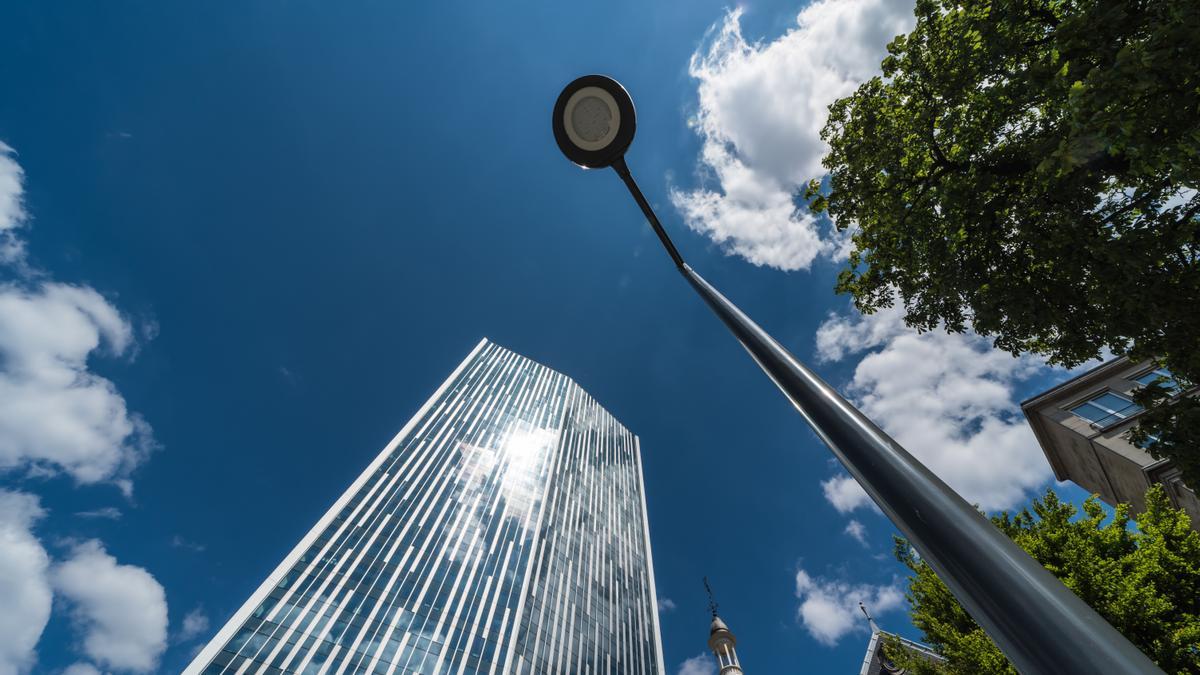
x,y
503,530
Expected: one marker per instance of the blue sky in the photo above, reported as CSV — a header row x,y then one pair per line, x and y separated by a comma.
x,y
243,242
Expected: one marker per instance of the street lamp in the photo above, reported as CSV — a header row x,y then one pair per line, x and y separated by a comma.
x,y
1039,624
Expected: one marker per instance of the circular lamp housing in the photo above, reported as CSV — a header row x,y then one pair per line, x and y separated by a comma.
x,y
594,121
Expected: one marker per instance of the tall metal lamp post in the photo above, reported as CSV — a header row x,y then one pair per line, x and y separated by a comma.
x,y
1039,624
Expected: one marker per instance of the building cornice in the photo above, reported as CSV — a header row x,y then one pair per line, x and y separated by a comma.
x,y
1093,373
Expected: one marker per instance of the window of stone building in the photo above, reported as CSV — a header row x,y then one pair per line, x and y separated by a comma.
x,y
1107,408
1161,376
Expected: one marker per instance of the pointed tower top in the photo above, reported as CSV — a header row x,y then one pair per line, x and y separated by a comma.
x,y
870,620
721,640
712,604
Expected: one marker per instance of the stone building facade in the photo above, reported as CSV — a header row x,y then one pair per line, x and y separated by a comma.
x,y
1083,427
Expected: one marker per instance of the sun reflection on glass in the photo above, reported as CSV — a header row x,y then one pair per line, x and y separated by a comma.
x,y
524,453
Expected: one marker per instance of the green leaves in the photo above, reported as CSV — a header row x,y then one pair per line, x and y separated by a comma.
x,y
816,200
1144,581
1012,173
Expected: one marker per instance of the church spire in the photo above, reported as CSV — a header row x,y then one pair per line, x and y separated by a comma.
x,y
721,640
712,604
870,620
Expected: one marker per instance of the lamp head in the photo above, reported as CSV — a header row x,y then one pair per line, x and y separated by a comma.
x,y
594,121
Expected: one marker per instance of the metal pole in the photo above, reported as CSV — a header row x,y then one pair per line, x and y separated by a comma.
x,y
1039,624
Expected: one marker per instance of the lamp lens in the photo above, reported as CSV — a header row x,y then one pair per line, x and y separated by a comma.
x,y
591,119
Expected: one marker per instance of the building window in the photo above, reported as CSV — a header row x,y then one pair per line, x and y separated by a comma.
x,y
1161,376
1107,408
1151,439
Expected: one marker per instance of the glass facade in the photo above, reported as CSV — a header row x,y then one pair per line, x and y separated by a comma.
x,y
503,530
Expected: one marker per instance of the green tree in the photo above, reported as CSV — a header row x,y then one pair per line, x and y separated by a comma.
x,y
1144,581
1028,169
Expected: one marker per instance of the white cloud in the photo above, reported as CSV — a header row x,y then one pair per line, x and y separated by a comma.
x,y
179,542
665,605
700,664
840,335
25,595
195,624
947,398
120,609
760,113
844,493
107,513
12,212
55,414
829,607
857,531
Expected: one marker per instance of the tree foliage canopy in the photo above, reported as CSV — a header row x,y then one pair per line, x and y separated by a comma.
x,y
1029,169
1144,581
